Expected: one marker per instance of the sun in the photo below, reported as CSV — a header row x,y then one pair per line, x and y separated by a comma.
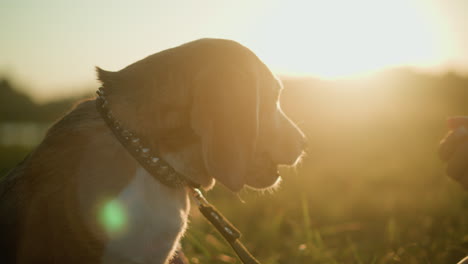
x,y
333,39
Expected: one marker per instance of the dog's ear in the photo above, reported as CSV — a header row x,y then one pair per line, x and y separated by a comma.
x,y
224,115
105,77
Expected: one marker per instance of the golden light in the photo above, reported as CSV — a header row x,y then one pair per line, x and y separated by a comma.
x,y
334,38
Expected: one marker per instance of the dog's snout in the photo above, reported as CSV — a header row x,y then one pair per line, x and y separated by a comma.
x,y
303,142
289,143
298,142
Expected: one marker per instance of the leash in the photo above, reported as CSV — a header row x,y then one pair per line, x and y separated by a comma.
x,y
224,227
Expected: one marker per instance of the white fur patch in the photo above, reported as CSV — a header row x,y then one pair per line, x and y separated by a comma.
x,y
155,216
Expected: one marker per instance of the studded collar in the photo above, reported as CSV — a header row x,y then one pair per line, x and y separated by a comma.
x,y
139,148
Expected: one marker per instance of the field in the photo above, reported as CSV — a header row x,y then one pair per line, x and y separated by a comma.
x,y
370,189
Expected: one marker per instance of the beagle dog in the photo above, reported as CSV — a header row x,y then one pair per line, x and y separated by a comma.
x,y
209,109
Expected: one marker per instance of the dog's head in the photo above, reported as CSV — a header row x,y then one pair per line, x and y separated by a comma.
x,y
211,108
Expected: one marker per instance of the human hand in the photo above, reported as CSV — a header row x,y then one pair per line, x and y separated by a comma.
x,y
453,149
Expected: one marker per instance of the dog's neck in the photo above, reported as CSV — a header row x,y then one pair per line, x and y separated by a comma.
x,y
140,148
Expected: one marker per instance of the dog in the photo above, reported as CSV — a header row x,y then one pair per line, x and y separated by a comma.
x,y
209,108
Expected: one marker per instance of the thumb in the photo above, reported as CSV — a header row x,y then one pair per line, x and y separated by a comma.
x,y
455,122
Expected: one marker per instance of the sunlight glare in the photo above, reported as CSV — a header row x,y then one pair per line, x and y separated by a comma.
x,y
335,39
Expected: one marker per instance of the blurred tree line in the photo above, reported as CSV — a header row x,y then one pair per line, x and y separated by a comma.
x,y
18,107
19,112
401,89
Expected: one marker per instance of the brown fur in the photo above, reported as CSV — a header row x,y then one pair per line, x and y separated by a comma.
x,y
208,107
42,191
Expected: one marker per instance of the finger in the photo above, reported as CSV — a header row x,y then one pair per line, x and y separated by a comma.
x,y
450,142
457,121
458,162
463,261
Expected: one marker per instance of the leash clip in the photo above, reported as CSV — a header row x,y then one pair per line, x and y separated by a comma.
x,y
199,198
224,227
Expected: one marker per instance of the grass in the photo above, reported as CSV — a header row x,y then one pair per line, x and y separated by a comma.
x,y
428,225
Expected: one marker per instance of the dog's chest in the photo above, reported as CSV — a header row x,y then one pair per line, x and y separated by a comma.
x,y
153,217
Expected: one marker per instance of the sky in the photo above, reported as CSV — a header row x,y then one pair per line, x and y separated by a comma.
x,y
51,47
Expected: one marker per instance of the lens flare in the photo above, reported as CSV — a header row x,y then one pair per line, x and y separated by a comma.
x,y
113,217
